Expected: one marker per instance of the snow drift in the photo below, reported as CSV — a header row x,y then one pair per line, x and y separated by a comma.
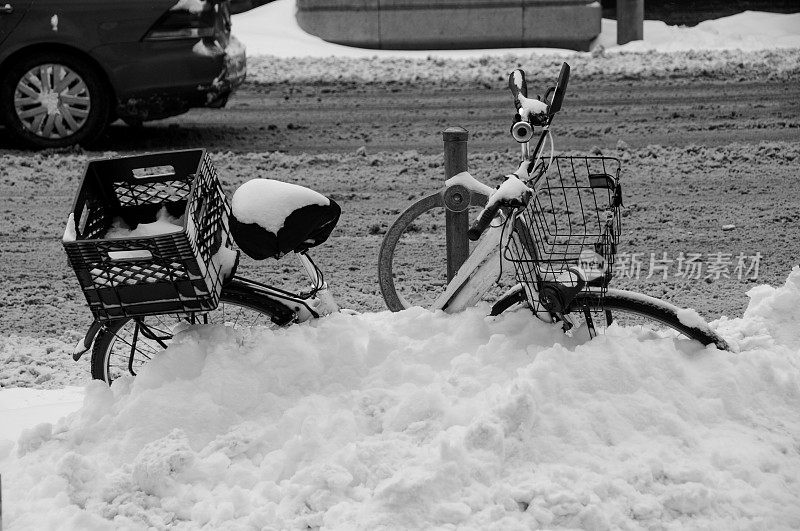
x,y
417,420
272,29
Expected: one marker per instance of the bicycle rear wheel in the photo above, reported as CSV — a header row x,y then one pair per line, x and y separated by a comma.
x,y
628,308
125,345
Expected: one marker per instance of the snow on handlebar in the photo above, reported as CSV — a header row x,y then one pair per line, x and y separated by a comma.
x,y
512,193
532,110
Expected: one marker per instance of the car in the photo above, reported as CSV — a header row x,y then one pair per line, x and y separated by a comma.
x,y
69,68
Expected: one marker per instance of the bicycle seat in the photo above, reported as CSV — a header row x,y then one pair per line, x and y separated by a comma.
x,y
272,218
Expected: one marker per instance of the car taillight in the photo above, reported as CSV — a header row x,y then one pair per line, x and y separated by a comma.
x,y
184,24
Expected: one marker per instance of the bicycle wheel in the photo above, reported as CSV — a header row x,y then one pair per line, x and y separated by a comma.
x,y
413,243
627,308
124,346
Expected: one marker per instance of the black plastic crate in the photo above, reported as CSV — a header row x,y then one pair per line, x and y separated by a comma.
x,y
135,276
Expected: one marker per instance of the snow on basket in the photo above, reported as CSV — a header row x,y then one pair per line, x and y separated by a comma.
x,y
149,234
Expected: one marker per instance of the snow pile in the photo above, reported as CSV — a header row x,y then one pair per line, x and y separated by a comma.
x,y
24,407
773,314
724,65
750,30
272,29
747,46
418,420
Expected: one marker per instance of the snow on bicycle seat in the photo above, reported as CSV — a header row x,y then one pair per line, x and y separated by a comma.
x,y
272,218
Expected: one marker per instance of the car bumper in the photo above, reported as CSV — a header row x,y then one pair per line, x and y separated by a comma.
x,y
158,80
231,76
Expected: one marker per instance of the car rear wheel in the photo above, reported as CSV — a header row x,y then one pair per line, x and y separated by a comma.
x,y
53,100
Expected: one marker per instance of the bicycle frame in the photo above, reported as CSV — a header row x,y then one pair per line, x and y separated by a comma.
x,y
483,266
315,304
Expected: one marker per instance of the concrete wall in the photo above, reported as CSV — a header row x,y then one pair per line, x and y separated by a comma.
x,y
452,24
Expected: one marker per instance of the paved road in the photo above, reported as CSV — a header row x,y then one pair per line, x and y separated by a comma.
x,y
341,118
677,199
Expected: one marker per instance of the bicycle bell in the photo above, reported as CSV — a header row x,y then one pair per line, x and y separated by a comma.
x,y
522,131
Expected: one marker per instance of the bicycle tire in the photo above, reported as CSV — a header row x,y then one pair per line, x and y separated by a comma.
x,y
118,333
618,302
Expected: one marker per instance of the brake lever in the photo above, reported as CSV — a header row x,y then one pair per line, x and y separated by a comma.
x,y
547,94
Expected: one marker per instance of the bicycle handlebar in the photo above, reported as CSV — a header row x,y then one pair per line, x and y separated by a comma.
x,y
522,132
517,85
519,89
483,221
512,193
559,90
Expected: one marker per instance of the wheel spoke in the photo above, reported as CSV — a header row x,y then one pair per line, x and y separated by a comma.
x,y
35,111
36,126
24,100
255,320
124,357
78,113
47,131
44,79
66,81
75,100
27,90
139,345
67,115
62,131
34,81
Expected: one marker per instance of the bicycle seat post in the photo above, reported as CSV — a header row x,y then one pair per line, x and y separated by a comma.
x,y
311,270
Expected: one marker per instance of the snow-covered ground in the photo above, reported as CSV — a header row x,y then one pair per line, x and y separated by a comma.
x,y
420,420
272,30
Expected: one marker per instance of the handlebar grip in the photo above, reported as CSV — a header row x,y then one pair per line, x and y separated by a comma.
x,y
517,85
483,221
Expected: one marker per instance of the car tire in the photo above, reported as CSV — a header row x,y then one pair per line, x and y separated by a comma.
x,y
54,100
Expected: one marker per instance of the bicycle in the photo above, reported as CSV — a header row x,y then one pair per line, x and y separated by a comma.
x,y
560,230
560,273
142,289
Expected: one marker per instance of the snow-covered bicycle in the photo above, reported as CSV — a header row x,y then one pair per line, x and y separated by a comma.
x,y
151,239
154,251
557,220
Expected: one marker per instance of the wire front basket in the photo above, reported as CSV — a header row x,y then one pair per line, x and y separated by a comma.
x,y
572,222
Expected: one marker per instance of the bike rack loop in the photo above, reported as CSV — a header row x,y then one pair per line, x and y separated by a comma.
x,y
455,199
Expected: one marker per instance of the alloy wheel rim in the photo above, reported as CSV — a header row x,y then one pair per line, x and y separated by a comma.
x,y
52,101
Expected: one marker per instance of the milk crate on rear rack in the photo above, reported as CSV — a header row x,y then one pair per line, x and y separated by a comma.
x,y
574,220
129,261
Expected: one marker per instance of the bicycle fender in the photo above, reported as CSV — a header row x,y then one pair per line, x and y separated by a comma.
x,y
83,345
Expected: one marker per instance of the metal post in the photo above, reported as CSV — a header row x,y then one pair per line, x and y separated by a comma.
x,y
630,21
455,161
